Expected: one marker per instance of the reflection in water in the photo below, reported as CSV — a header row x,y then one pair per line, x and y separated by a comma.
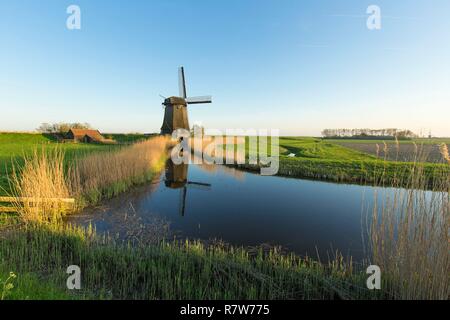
x,y
242,208
176,178
237,174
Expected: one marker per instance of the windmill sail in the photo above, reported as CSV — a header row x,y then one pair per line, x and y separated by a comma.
x,y
182,205
198,100
198,185
182,83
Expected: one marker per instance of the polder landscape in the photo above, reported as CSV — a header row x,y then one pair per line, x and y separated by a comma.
x,y
39,242
90,211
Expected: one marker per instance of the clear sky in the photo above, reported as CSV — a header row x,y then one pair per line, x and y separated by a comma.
x,y
298,66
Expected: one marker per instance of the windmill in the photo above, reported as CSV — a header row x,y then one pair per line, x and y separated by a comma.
x,y
175,113
176,178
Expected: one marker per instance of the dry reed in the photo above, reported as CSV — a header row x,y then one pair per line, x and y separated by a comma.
x,y
104,175
409,237
44,177
37,183
444,152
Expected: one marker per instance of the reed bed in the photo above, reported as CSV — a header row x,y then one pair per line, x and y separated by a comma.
x,y
45,176
181,270
105,175
409,234
39,181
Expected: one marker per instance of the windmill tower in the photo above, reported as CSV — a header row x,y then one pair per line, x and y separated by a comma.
x,y
175,113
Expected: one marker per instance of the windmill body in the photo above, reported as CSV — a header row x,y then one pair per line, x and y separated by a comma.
x,y
175,113
177,178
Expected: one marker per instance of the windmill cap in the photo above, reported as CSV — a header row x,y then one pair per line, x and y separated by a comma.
x,y
175,101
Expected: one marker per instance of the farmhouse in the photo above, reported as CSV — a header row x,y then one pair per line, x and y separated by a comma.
x,y
84,135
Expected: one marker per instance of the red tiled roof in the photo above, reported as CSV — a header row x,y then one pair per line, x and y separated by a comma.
x,y
81,133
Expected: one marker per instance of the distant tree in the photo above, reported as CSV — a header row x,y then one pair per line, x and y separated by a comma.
x,y
405,134
45,128
80,126
367,132
326,133
62,127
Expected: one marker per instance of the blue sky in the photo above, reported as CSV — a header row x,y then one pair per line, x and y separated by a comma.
x,y
297,66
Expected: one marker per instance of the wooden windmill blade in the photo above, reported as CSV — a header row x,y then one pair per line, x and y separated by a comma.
x,y
199,185
183,193
182,83
198,100
182,205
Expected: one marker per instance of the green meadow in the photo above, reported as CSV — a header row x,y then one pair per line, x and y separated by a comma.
x,y
35,253
314,158
314,148
334,160
14,146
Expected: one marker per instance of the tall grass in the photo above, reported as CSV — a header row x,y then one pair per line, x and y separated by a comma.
x,y
182,270
37,183
408,239
409,236
45,176
105,175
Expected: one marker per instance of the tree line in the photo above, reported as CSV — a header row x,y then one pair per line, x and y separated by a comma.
x,y
62,127
366,133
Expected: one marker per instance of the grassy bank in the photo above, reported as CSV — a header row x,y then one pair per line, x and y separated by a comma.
x,y
45,175
408,239
39,255
15,146
314,158
105,175
373,172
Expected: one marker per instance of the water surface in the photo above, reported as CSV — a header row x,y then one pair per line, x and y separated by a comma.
x,y
241,208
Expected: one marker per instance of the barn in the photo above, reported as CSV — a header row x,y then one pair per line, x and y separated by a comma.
x,y
85,135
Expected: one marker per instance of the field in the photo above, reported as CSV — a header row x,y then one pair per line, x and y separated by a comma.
x,y
352,161
13,146
406,151
37,249
313,148
332,160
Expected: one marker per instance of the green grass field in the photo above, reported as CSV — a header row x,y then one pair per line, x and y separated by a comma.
x,y
313,148
40,254
166,271
314,158
127,138
334,160
13,146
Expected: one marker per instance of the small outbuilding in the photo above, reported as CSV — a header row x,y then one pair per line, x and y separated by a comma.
x,y
85,135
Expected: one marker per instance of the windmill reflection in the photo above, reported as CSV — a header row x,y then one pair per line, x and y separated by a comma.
x,y
176,178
